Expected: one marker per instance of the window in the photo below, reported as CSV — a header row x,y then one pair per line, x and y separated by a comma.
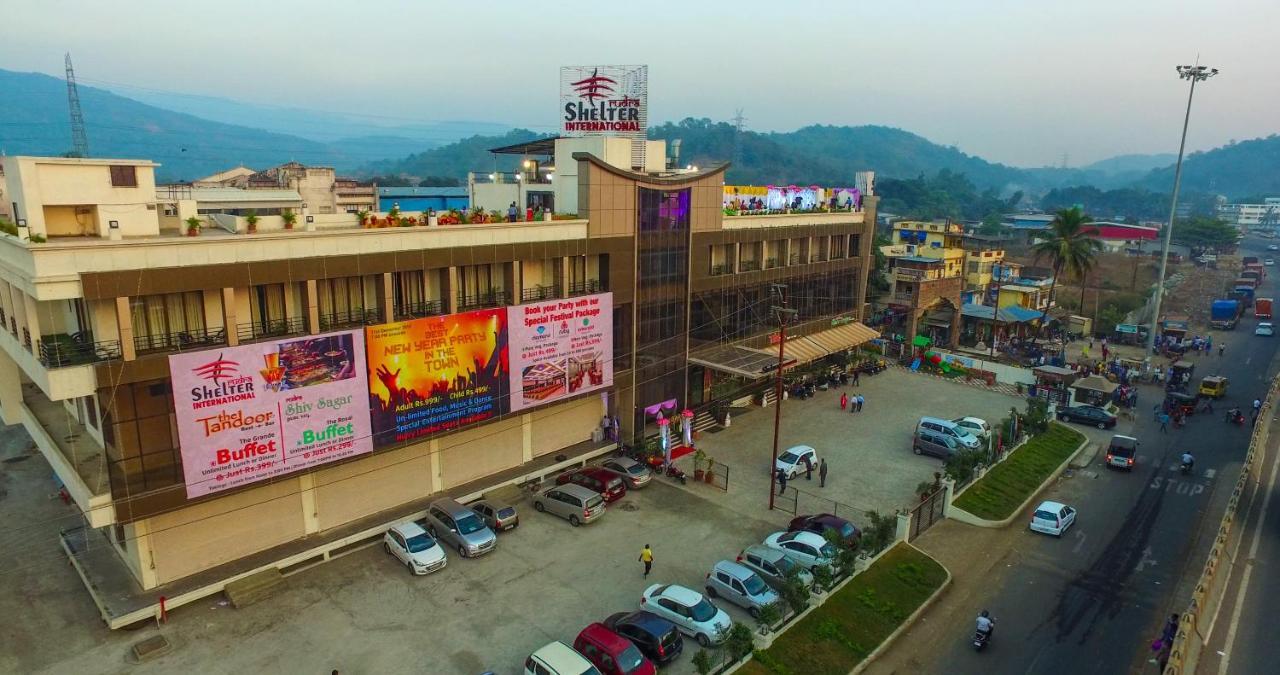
x,y
124,176
169,320
341,300
408,291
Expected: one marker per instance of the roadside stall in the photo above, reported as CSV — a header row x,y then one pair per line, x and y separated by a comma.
x,y
1052,383
1129,334
1173,335
1094,390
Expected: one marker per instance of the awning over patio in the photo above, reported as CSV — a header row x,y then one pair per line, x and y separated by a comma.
x,y
737,360
1096,383
753,363
1011,314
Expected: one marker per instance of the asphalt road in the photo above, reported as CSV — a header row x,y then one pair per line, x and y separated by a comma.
x,y
1094,600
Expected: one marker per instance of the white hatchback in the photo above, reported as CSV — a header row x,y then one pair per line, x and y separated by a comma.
x,y
1052,518
806,549
792,461
689,611
411,545
1265,329
976,426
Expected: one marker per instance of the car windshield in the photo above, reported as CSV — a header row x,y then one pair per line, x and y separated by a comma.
x,y
507,512
754,585
847,530
636,469
784,565
614,484
827,550
595,501
469,524
789,458
630,659
703,611
419,543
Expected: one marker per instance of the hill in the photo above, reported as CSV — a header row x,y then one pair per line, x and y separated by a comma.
x,y
1236,170
1125,164
455,159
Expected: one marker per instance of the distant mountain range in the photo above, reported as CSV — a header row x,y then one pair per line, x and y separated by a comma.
x,y
193,136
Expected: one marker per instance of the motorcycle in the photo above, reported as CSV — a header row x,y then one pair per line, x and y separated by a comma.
x,y
1185,468
980,640
673,472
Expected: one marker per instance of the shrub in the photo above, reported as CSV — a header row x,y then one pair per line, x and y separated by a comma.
x,y
879,533
8,227
961,466
1037,416
739,641
795,592
768,616
37,239
702,662
822,577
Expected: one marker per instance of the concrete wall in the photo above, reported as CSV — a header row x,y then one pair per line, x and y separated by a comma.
x,y
39,182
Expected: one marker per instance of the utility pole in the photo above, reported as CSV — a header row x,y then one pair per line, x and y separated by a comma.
x,y
995,315
784,315
1194,73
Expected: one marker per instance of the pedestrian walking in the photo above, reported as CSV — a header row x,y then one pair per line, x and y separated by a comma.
x,y
782,481
855,377
1155,412
844,401
1164,422
1170,628
1257,406
822,473
808,467
646,557
861,400
1221,348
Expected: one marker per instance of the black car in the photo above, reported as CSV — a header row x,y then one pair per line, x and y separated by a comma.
x,y
1088,414
820,523
657,638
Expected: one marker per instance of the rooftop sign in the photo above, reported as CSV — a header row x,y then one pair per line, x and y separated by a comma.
x,y
604,101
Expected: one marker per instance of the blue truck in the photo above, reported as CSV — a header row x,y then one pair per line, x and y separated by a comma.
x,y
1224,314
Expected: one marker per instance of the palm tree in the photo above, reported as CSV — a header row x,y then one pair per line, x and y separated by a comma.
x,y
1068,248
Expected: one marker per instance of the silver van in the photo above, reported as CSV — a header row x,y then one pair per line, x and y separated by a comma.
x,y
934,443
772,565
951,429
741,586
459,527
572,502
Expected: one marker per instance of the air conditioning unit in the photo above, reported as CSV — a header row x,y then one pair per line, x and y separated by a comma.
x,y
84,210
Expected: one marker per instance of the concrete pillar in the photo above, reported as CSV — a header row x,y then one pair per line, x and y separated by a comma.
x,y
387,291
450,291
311,299
33,322
566,265
10,390
735,265
511,282
229,316
146,556
124,324
903,532
526,432
437,480
310,512
19,311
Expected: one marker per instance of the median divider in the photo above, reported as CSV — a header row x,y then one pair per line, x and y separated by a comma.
x,y
959,513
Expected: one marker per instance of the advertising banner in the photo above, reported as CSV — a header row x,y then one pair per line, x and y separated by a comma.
x,y
604,101
437,373
560,348
258,411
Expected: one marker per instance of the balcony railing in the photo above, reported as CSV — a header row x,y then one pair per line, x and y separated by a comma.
x,y
490,298
795,259
351,317
3,320
26,338
61,350
749,266
585,287
540,293
770,263
717,270
269,328
416,310
182,341
817,257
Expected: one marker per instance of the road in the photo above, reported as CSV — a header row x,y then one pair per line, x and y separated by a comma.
x,y
1094,600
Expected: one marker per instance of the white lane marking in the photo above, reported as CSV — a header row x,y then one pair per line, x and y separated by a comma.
x,y
1248,570
1210,473
1146,560
1080,537
1247,360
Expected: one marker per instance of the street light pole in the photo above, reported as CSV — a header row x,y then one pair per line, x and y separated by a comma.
x,y
1194,73
783,315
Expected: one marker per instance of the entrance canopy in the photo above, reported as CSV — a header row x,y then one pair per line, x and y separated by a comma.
x,y
754,363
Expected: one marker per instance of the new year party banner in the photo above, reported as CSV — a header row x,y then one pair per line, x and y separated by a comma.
x,y
560,348
436,374
256,411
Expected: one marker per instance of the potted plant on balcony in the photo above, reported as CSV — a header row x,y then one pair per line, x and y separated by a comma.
x,y
363,218
193,226
251,221
289,218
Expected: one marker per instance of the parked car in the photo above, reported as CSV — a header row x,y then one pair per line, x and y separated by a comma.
x,y
976,426
1273,247
499,516
612,653
1088,414
608,484
1265,329
557,659
792,461
1269,262
935,444
689,611
636,474
1052,518
949,428
459,527
411,545
572,502
741,586
657,638
1122,452
819,523
806,549
772,565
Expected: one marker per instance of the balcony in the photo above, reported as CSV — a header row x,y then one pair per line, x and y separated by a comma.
x,y
540,293
490,298
62,350
586,287
817,258
717,270
770,263
26,338
271,328
750,266
417,310
182,341
794,259
349,318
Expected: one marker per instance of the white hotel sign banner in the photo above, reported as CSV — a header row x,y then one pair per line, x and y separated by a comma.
x,y
604,101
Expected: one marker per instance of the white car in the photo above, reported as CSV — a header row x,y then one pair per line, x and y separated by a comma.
x,y
792,462
976,426
1266,329
1273,247
1269,262
411,545
689,611
806,549
1052,518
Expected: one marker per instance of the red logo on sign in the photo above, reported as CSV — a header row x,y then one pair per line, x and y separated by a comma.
x,y
594,87
219,369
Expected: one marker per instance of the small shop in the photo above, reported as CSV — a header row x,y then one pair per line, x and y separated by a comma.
x,y
1094,390
1052,383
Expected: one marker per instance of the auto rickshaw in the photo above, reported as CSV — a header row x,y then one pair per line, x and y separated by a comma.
x,y
1180,377
1213,386
1177,402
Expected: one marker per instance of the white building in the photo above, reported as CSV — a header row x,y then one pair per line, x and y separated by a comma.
x,y
1249,215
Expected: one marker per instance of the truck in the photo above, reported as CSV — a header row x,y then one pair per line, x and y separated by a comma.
x,y
1256,275
1262,308
1224,314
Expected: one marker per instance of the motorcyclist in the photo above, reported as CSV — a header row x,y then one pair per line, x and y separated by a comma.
x,y
1188,462
986,625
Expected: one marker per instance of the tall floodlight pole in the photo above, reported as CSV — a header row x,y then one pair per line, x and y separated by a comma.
x,y
1194,73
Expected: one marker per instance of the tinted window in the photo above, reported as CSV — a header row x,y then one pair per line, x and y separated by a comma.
x,y
847,530
507,512
703,611
828,550
595,501
469,524
754,585
420,543
789,458
1046,515
615,484
630,659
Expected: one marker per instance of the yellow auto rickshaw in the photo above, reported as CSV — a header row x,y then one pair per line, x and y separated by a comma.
x,y
1213,386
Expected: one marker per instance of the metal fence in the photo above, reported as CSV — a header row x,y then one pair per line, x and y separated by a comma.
x,y
719,475
927,512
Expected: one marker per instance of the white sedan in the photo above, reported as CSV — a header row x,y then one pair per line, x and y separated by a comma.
x,y
806,549
1265,329
1052,518
689,611
792,462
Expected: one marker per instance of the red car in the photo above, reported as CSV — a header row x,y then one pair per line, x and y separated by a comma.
x,y
610,485
820,523
612,653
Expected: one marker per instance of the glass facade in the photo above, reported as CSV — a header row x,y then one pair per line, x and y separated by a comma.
x,y
662,279
743,311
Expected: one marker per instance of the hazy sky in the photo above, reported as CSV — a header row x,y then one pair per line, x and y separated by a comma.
x,y
1021,82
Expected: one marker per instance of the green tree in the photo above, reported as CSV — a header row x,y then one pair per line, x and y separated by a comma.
x,y
992,224
1068,249
1200,232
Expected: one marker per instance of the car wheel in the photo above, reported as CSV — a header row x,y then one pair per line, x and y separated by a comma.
x,y
573,520
462,550
537,506
1102,425
916,449
754,612
711,592
703,640
1064,417
386,548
